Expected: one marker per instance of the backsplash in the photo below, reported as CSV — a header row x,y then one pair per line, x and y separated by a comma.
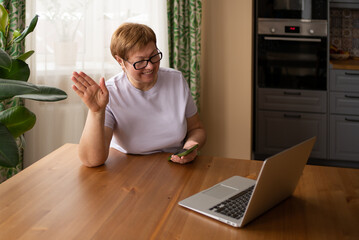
x,y
344,30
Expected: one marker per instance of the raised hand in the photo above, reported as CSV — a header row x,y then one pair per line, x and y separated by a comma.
x,y
94,95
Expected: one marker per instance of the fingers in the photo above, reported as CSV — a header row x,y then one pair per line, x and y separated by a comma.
x,y
80,93
184,159
103,86
83,81
80,79
86,79
80,83
78,87
180,160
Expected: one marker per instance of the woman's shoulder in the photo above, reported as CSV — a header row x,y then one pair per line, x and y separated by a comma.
x,y
115,80
170,72
170,76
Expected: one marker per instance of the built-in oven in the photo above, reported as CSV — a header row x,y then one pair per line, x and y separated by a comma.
x,y
291,58
293,9
292,54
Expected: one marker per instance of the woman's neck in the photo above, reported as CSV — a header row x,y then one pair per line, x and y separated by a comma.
x,y
141,86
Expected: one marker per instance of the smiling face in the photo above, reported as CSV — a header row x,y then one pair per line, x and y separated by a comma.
x,y
145,78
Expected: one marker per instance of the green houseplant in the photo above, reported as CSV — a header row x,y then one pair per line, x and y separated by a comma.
x,y
14,74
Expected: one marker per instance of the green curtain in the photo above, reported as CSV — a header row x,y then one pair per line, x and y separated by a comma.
x,y
184,37
16,10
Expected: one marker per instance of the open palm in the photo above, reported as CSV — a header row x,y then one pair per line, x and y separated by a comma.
x,y
94,95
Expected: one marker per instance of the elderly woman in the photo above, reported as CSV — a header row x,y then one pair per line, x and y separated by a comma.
x,y
142,110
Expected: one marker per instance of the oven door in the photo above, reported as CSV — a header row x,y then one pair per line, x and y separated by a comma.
x,y
292,9
292,62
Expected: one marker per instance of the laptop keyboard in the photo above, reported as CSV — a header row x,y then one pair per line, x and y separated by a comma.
x,y
235,206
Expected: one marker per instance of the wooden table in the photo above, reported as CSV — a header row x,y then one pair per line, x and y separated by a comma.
x,y
135,197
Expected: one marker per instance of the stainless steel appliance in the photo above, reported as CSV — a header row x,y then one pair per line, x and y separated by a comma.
x,y
291,59
292,54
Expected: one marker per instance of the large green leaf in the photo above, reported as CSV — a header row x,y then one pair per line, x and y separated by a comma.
x,y
19,71
9,154
4,19
46,94
17,120
11,88
5,60
27,30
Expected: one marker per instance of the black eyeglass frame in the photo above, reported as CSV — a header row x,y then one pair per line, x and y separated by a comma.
x,y
148,60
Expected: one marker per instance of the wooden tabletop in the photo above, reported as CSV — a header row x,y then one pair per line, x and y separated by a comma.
x,y
135,197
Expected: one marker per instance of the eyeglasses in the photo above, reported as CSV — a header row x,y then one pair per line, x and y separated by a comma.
x,y
143,63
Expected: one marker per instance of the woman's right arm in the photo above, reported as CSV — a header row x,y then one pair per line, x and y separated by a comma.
x,y
95,140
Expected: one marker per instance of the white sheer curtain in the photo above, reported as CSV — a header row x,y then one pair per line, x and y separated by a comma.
x,y
74,35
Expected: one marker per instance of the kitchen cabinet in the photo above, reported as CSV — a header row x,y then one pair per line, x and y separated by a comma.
x,y
281,130
286,112
286,117
292,100
344,115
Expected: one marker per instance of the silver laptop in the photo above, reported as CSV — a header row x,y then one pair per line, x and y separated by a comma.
x,y
238,200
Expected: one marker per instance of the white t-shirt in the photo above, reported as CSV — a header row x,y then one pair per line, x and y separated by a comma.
x,y
145,122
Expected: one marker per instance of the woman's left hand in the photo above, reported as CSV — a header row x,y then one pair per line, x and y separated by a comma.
x,y
185,159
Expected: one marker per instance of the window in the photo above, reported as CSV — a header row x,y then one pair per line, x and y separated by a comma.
x,y
74,35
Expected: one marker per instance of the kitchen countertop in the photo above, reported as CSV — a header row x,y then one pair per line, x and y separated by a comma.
x,y
348,64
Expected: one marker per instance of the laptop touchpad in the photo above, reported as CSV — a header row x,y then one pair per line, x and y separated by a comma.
x,y
220,191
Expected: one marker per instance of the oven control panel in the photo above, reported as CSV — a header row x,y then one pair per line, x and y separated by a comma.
x,y
317,28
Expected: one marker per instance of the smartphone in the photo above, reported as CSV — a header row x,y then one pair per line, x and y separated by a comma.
x,y
184,152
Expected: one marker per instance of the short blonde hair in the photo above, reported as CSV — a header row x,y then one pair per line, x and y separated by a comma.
x,y
130,36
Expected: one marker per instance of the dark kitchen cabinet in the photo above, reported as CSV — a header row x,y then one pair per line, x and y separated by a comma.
x,y
292,100
295,98
285,129
344,115
344,80
286,117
